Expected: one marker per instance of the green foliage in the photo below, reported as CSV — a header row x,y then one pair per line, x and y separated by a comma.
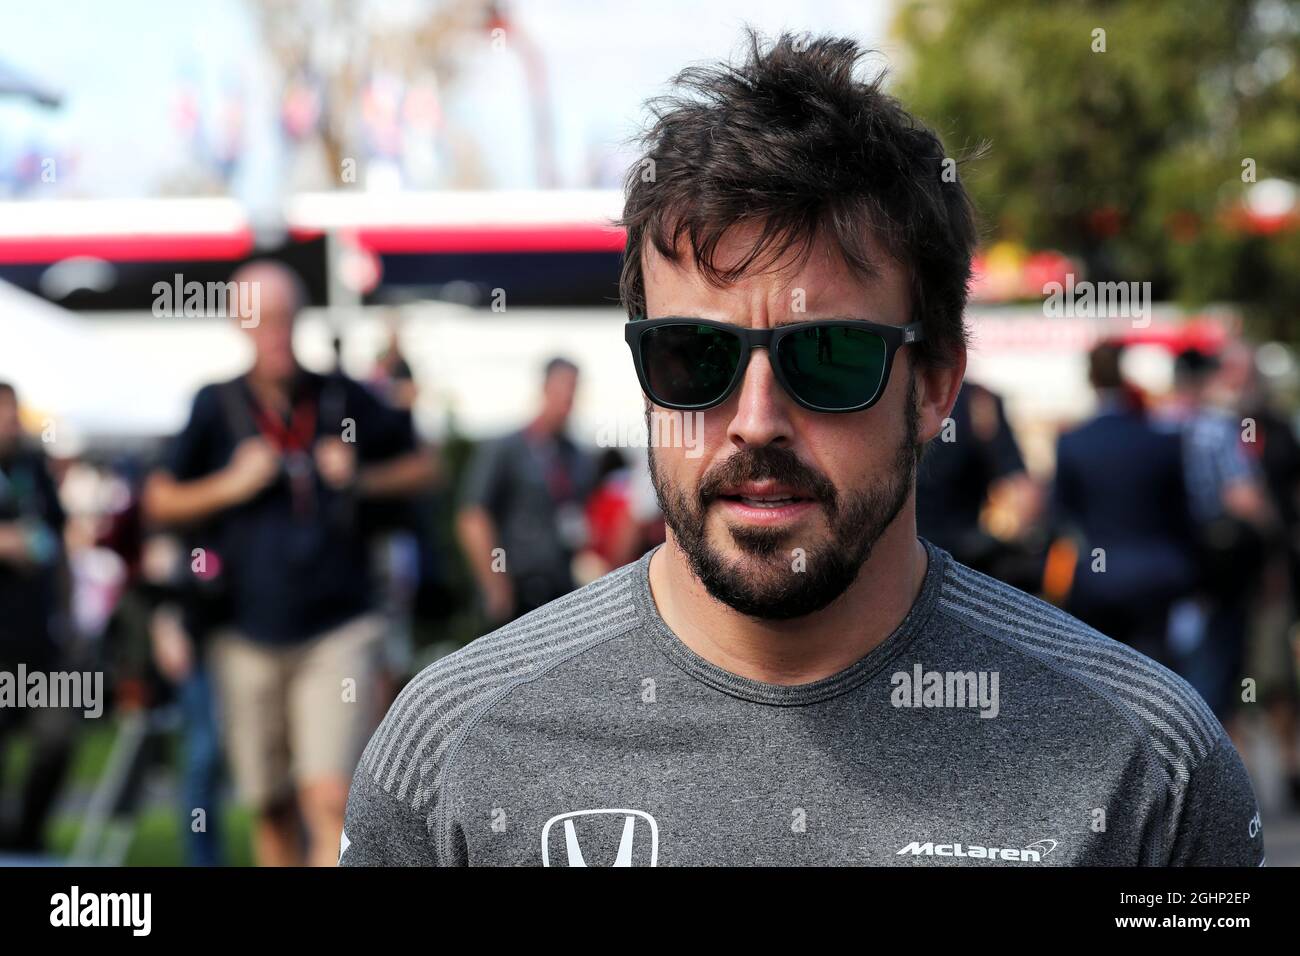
x,y
1130,159
157,838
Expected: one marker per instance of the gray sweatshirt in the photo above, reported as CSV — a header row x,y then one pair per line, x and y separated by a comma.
x,y
989,729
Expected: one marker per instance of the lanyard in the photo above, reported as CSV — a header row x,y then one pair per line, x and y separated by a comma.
x,y
294,442
554,468
297,435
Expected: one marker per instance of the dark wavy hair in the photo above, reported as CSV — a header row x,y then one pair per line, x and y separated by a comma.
x,y
792,140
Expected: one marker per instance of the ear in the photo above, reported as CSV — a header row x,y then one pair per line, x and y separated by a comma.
x,y
936,393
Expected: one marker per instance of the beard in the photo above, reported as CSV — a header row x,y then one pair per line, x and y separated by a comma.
x,y
766,582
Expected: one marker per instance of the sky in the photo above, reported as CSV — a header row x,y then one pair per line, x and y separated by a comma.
x,y
121,67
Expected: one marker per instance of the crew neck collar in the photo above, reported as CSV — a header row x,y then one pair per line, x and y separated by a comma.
x,y
791,695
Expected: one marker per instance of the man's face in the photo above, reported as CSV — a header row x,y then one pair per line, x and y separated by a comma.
x,y
558,391
272,333
783,506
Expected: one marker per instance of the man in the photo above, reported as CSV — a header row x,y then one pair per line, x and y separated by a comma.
x,y
177,635
33,606
979,463
1271,650
521,518
794,677
1119,488
1236,524
269,475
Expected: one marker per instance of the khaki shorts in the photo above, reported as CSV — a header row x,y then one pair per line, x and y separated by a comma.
x,y
1271,657
298,713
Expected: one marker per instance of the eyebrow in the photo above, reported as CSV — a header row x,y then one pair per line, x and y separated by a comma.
x,y
826,318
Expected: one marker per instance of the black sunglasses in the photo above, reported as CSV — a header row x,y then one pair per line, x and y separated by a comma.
x,y
839,365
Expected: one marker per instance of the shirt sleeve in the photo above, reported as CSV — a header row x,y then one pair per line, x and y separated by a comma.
x,y
399,811
382,431
484,482
190,454
1219,823
380,830
1231,460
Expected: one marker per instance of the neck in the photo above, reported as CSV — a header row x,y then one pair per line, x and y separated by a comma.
x,y
542,427
801,650
1112,399
270,388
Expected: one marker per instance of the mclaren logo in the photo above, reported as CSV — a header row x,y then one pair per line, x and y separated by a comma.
x,y
638,837
1033,853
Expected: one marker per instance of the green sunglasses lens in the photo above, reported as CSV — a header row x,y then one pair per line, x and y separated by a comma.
x,y
689,364
833,366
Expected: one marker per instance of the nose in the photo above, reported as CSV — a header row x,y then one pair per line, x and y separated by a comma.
x,y
762,415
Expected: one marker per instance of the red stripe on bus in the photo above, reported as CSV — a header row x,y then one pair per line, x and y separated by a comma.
x,y
153,248
463,239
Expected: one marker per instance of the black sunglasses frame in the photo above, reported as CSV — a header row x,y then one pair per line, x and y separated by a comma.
x,y
894,336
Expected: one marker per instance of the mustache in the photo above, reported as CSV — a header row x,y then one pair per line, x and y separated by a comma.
x,y
764,463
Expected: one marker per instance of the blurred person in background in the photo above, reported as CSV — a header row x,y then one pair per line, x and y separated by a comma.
x,y
1119,493
623,515
107,548
958,477
521,519
392,377
33,620
1271,652
405,553
180,624
273,466
615,538
1234,522
643,505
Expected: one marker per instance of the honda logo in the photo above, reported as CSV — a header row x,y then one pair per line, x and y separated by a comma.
x,y
634,842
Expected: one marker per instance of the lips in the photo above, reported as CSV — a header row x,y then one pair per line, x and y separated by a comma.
x,y
765,495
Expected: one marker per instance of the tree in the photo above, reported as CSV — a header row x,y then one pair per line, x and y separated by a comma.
x,y
1154,140
335,45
